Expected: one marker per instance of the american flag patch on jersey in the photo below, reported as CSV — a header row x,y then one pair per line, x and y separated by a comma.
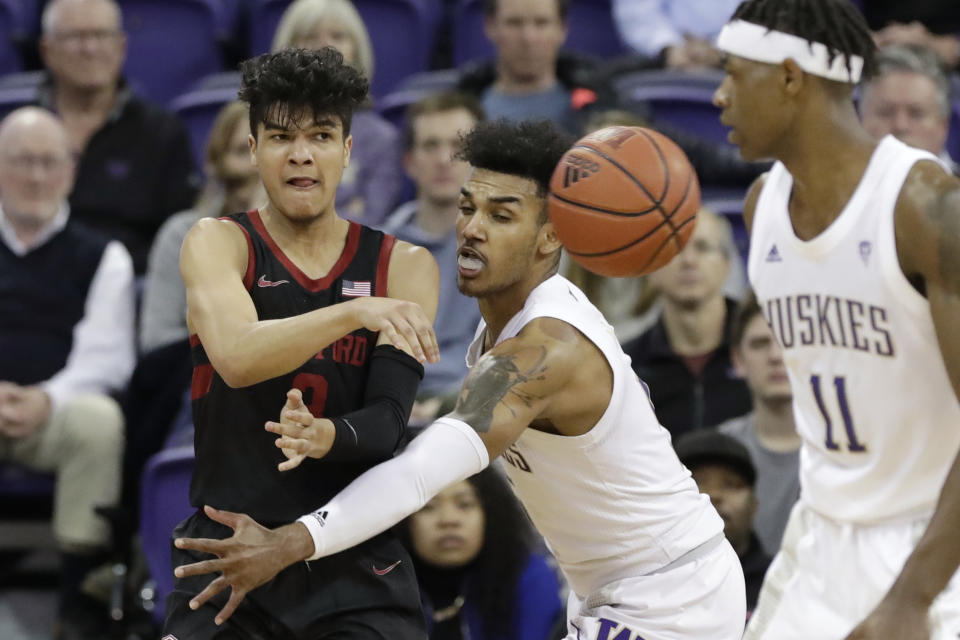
x,y
355,289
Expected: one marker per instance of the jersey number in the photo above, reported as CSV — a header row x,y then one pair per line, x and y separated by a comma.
x,y
840,384
314,388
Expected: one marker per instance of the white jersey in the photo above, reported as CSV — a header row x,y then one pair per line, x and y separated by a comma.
x,y
614,502
872,401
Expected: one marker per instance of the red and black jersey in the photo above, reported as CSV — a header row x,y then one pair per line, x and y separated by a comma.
x,y
236,458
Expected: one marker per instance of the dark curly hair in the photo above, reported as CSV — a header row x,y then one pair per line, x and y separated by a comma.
x,y
835,23
530,149
508,541
290,84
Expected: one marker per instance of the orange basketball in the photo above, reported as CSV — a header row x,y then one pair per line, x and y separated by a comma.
x,y
624,201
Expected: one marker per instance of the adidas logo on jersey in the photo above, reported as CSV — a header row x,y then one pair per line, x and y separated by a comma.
x,y
774,255
578,169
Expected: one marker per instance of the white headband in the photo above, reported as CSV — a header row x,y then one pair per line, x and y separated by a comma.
x,y
755,42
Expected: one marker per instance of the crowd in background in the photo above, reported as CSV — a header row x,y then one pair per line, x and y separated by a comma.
x,y
99,186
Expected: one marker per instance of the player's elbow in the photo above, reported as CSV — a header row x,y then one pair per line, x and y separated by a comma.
x,y
235,372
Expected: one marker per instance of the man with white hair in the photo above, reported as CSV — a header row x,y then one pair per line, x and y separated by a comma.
x,y
135,168
66,343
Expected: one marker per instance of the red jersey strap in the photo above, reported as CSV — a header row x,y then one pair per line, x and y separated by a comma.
x,y
383,264
251,259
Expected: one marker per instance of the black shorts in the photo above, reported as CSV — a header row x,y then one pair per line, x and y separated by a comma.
x,y
344,597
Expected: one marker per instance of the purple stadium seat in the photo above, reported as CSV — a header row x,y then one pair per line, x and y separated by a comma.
x,y
11,32
682,99
18,89
171,44
591,30
164,491
199,108
393,106
401,31
953,138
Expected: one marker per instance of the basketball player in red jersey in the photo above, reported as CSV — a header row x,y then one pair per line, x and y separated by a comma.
x,y
291,296
552,393
855,259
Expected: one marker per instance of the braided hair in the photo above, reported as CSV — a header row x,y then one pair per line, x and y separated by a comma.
x,y
835,23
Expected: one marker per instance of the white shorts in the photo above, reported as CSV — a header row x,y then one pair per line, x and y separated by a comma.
x,y
700,599
828,576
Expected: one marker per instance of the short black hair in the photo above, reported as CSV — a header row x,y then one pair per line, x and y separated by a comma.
x,y
836,23
292,83
439,103
563,8
530,149
748,308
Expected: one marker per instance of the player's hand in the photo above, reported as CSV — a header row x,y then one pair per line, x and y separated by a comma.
x,y
301,434
403,322
250,557
895,618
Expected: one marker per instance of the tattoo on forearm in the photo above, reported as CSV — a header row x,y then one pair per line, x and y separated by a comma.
x,y
494,382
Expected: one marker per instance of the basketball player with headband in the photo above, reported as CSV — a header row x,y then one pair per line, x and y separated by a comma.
x,y
855,258
551,392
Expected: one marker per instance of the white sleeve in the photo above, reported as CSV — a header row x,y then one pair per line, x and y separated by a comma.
x,y
645,26
103,353
447,452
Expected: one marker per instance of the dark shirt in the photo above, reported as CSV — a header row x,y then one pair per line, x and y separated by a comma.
x,y
135,172
43,297
684,401
754,562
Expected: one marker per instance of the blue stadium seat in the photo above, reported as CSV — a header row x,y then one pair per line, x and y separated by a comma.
x,y
590,22
682,99
165,500
953,138
393,106
18,89
199,108
402,33
171,44
12,20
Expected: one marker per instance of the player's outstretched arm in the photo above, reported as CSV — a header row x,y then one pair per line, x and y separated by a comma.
x,y
245,350
928,242
507,389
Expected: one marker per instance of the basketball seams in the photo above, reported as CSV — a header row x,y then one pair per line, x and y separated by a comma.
x,y
656,203
663,163
622,214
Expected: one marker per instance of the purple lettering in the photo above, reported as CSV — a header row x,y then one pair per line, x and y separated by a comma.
x,y
806,337
878,326
822,322
606,626
855,324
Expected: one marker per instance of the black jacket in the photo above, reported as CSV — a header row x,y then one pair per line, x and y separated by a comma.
x,y
682,401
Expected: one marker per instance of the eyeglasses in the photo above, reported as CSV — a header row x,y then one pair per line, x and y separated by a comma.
x,y
27,163
76,38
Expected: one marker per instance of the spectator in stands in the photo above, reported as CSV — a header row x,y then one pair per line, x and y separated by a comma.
x,y
932,24
371,184
722,468
66,343
431,138
909,97
530,77
677,34
768,431
480,572
685,356
135,167
232,186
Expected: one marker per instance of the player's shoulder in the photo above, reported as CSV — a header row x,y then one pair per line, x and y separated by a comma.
x,y
925,217
926,185
563,342
215,238
751,198
411,260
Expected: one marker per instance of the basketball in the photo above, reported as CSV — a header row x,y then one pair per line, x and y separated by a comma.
x,y
623,201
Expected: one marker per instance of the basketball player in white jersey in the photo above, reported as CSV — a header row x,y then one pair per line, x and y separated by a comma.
x,y
551,391
855,258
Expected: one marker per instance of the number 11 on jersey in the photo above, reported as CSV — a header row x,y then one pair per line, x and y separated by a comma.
x,y
840,384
